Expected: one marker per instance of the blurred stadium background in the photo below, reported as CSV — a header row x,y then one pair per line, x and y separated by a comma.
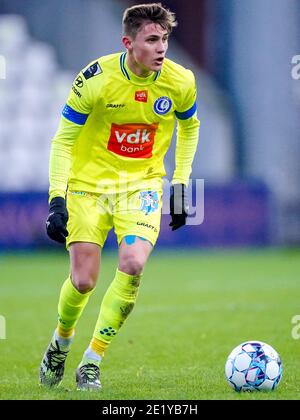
x,y
248,156
249,150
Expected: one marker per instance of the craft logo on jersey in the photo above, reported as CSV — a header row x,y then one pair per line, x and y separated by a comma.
x,y
149,201
141,95
132,140
162,105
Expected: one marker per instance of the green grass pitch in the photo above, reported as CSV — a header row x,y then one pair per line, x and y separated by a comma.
x,y
192,310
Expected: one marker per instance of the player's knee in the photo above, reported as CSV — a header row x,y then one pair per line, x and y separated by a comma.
x,y
83,282
132,264
85,258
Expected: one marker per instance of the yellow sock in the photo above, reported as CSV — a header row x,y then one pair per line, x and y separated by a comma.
x,y
65,333
70,307
117,304
98,346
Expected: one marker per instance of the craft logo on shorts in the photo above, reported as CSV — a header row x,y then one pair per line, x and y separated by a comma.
x,y
132,140
162,105
147,226
149,201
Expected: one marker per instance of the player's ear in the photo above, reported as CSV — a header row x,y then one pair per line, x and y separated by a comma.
x,y
127,42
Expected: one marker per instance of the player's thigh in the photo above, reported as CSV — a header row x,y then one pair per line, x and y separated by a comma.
x,y
133,254
85,264
89,219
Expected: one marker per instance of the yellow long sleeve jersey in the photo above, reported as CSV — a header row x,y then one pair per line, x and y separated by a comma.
x,y
116,128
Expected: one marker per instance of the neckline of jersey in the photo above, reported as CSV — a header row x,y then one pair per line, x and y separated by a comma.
x,y
133,77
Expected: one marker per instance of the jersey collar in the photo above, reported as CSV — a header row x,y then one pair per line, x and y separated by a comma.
x,y
133,77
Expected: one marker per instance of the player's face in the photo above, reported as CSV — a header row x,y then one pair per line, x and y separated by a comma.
x,y
147,51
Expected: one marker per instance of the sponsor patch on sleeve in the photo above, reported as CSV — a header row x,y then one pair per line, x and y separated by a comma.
x,y
92,71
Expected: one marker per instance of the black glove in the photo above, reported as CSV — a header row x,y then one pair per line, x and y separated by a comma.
x,y
178,206
57,220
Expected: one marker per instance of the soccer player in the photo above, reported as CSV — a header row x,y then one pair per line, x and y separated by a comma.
x,y
106,169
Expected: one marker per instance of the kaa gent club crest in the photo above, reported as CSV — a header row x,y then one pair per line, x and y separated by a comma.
x,y
149,201
162,105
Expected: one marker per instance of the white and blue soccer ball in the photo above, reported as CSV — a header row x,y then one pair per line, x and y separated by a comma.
x,y
253,365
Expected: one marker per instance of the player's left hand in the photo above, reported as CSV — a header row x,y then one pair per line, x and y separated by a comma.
x,y
178,206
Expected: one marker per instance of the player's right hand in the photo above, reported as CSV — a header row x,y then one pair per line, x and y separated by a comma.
x,y
56,223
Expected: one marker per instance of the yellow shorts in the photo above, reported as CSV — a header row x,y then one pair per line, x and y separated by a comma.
x,y
91,216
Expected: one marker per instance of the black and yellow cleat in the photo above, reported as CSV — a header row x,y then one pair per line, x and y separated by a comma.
x,y
53,365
